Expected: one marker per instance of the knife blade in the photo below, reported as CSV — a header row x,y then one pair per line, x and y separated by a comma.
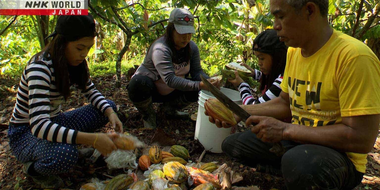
x,y
277,148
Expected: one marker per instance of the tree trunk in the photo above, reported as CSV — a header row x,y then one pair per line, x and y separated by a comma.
x,y
119,58
374,44
43,29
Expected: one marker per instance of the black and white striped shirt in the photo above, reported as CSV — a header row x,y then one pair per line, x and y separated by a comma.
x,y
271,93
38,100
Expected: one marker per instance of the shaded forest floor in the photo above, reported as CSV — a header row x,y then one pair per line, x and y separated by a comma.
x,y
175,131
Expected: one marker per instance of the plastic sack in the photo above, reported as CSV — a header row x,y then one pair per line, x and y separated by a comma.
x,y
152,168
159,184
121,159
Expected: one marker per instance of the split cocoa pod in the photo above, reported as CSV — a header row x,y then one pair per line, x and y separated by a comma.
x,y
121,181
175,172
124,143
218,110
155,154
210,167
140,185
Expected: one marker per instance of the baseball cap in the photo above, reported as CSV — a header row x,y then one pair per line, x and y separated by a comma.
x,y
183,21
268,41
75,26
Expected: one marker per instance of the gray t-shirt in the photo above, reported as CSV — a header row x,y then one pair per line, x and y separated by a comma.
x,y
158,64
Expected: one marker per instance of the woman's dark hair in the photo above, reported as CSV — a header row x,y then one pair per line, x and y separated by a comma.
x,y
278,67
65,75
268,42
169,38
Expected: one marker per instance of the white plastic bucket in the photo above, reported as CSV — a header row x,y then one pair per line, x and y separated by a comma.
x,y
208,134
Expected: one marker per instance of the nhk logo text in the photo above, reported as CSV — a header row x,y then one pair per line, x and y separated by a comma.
x,y
54,5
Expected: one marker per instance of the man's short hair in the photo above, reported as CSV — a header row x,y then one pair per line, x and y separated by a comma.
x,y
322,4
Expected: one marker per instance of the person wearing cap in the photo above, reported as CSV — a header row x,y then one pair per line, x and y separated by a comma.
x,y
170,72
271,55
327,89
42,136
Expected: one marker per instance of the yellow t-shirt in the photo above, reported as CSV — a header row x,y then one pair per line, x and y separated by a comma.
x,y
341,79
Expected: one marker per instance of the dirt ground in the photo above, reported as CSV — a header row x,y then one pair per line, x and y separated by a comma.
x,y
174,131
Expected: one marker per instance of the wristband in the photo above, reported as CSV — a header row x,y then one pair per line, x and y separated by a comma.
x,y
112,113
96,138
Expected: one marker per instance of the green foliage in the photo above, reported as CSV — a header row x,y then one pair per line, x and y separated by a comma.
x,y
225,30
18,45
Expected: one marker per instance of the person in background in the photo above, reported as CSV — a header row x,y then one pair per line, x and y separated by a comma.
x,y
170,72
327,89
271,55
42,136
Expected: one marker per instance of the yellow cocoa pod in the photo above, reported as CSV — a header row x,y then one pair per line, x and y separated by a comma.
x,y
175,172
205,186
166,154
210,167
121,181
174,159
124,143
155,174
140,185
218,110
155,154
180,151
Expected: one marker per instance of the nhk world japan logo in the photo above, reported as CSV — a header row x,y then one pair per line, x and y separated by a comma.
x,y
43,7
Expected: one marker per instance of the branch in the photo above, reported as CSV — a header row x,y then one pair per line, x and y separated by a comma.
x,y
196,8
358,17
121,20
369,22
14,19
373,26
149,26
141,6
107,19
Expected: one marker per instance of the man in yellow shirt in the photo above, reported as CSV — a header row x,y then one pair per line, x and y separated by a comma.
x,y
330,89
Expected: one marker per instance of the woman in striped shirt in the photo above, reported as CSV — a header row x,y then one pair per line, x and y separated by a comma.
x,y
271,53
41,135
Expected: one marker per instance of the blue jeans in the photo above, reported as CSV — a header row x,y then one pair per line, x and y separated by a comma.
x,y
53,157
